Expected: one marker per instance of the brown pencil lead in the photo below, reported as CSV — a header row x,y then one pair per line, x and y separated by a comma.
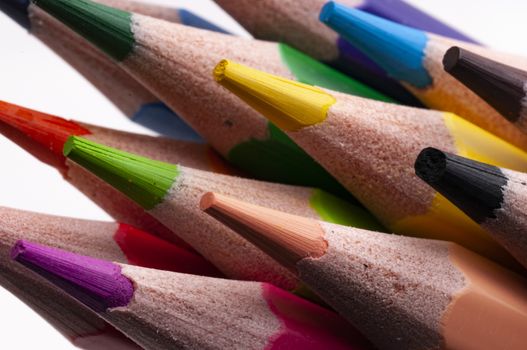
x,y
285,237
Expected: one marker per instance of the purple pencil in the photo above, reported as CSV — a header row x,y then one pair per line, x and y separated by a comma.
x,y
165,310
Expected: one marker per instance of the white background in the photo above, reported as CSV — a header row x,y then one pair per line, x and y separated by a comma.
x,y
33,76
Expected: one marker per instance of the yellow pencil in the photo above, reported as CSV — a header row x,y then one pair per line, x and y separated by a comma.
x,y
370,147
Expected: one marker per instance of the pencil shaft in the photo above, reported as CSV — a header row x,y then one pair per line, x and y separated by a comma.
x,y
403,293
162,309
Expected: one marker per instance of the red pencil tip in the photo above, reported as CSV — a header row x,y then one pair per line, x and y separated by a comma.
x,y
48,130
144,249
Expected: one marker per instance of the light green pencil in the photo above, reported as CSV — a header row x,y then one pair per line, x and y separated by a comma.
x,y
171,194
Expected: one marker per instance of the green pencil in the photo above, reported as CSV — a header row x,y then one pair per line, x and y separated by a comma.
x,y
175,61
171,194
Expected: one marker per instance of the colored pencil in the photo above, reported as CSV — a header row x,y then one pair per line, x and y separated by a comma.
x,y
370,147
401,292
495,198
134,100
415,57
500,85
168,310
297,25
109,240
43,135
170,193
174,62
106,240
78,324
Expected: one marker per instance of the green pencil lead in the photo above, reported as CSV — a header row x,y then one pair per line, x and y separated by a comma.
x,y
144,180
106,27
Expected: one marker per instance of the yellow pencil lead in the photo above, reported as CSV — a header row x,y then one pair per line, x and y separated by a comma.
x,y
289,104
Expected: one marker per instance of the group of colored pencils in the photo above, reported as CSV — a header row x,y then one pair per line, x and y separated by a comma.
x,y
358,180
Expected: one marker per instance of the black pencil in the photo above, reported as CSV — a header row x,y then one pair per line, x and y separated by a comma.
x,y
496,198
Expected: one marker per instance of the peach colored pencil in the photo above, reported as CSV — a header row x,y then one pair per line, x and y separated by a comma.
x,y
401,292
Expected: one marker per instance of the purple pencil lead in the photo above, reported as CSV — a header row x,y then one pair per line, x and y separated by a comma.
x,y
97,283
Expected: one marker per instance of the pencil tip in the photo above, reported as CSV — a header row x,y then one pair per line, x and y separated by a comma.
x,y
430,165
288,104
476,188
451,58
98,284
285,237
398,49
501,86
219,71
327,11
144,180
69,145
17,10
48,130
106,27
207,200
18,249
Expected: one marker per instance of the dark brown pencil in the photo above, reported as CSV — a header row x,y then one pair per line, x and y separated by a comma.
x,y
501,86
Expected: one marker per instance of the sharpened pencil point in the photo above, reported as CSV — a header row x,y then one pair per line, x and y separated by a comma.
x,y
17,10
501,86
328,11
48,130
398,49
285,237
430,164
144,180
207,201
289,104
476,188
219,70
451,58
98,284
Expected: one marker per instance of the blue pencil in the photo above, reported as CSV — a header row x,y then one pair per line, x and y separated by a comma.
x,y
297,24
415,59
